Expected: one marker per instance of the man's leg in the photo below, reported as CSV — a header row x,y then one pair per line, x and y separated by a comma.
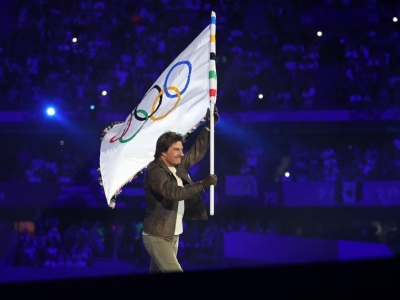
x,y
163,254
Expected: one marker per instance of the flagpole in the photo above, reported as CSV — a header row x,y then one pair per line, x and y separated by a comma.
x,y
213,99
212,156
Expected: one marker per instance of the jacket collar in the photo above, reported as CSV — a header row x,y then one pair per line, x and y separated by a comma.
x,y
163,165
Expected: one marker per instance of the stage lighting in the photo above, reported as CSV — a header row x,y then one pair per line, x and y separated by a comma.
x,y
50,111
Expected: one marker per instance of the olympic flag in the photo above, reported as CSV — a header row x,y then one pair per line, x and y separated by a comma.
x,y
177,101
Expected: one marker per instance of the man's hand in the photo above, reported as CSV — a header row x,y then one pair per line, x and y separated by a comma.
x,y
216,117
112,204
211,179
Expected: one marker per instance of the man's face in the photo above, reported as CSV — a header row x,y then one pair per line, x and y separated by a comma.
x,y
174,155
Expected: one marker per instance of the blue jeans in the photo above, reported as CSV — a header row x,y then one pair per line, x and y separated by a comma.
x,y
163,254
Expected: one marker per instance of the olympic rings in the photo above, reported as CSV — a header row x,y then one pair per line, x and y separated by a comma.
x,y
157,102
159,96
121,140
114,138
145,113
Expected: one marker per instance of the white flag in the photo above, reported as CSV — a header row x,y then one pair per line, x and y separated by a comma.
x,y
177,101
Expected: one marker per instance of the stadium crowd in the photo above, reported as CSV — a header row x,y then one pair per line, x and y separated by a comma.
x,y
68,52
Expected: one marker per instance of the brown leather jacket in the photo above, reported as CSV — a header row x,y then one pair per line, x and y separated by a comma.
x,y
163,193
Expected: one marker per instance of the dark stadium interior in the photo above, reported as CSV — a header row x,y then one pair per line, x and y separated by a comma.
x,y
307,146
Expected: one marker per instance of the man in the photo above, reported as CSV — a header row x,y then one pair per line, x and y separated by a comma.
x,y
172,196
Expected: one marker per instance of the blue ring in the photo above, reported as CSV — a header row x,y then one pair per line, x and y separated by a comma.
x,y
187,83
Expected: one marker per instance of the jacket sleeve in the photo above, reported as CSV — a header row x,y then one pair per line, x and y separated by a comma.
x,y
198,150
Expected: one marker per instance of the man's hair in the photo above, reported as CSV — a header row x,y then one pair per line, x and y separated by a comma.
x,y
166,140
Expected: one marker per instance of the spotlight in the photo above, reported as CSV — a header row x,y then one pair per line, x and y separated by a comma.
x,y
50,111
